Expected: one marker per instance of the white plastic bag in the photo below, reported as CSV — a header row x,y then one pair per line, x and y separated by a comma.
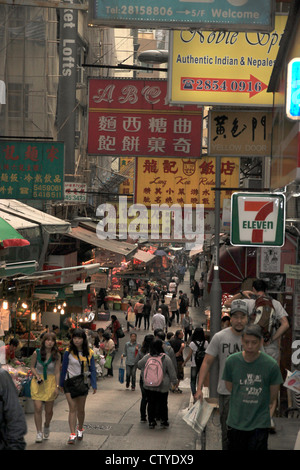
x,y
198,415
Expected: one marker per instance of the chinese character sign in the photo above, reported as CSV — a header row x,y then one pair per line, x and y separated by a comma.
x,y
240,133
183,181
131,117
31,170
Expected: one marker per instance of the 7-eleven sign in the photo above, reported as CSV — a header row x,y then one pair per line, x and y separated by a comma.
x,y
257,219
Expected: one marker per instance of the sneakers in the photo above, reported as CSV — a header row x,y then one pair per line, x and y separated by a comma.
x,y
46,432
79,434
39,437
152,425
164,424
72,439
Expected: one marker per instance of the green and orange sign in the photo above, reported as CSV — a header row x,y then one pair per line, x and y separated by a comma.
x,y
257,219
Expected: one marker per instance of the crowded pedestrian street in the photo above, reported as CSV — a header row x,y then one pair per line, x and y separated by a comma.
x,y
112,417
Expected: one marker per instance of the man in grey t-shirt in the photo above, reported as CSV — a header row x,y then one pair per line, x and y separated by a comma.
x,y
224,343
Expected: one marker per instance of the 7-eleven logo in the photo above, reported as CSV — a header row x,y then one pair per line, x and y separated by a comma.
x,y
262,209
257,219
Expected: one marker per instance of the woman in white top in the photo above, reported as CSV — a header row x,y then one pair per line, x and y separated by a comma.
x,y
198,341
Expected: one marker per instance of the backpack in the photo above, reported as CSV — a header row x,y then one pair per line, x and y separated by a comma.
x,y
153,372
199,354
263,315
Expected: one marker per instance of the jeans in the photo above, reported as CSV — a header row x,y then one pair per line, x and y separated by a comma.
x,y
144,401
224,409
146,321
130,375
194,374
138,320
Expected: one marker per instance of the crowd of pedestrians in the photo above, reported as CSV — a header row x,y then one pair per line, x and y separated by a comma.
x,y
245,363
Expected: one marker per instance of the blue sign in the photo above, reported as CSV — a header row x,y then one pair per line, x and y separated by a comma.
x,y
293,90
231,15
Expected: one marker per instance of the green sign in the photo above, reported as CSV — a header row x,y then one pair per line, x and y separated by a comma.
x,y
257,219
31,170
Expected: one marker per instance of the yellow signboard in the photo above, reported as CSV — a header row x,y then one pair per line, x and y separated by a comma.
x,y
183,180
126,187
231,68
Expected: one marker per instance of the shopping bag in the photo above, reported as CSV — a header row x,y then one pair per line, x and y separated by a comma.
x,y
108,361
198,415
121,372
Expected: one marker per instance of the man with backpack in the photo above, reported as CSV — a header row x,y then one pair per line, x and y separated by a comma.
x,y
278,318
223,344
158,374
270,315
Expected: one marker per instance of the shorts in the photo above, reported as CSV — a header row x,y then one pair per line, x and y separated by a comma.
x,y
180,370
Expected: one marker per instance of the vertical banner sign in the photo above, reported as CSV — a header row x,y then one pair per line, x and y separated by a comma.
x,y
257,219
131,117
67,84
31,170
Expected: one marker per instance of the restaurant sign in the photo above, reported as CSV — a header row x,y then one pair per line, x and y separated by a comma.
x,y
31,170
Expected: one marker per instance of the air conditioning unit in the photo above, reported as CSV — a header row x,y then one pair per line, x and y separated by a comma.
x,y
252,183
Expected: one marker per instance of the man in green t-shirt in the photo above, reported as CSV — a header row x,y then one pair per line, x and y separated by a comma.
x,y
253,379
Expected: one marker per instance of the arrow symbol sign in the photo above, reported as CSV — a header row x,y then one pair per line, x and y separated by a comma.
x,y
253,86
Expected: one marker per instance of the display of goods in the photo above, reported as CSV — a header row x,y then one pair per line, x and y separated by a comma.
x,y
18,374
25,336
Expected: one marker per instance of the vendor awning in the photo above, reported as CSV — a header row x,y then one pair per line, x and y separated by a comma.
x,y
52,274
9,237
88,236
143,256
14,269
196,250
12,207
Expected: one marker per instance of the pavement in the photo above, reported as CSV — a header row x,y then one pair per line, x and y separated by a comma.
x,y
112,418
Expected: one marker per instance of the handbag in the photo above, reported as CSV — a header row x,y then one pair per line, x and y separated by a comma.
x,y
76,386
26,384
121,372
120,333
108,361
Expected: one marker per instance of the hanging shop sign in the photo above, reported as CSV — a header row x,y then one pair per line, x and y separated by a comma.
x,y
75,192
293,90
183,181
31,170
232,15
240,133
257,219
231,68
130,117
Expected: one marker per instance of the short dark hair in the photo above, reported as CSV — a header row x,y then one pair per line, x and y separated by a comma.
x,y
260,285
253,330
